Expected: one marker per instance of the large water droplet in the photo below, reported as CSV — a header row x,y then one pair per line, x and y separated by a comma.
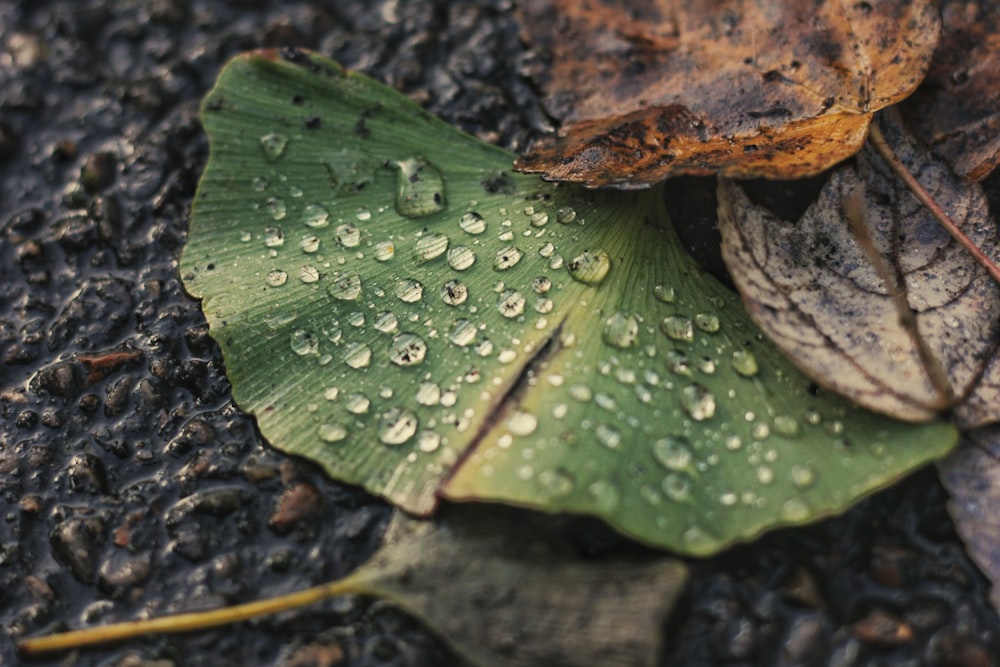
x,y
786,425
315,216
539,219
332,432
665,293
744,363
590,267
397,425
698,402
463,333
274,237
357,355
304,342
386,322
707,322
454,293
274,145
677,486
309,244
541,285
429,246
276,278
357,404
409,290
384,251
677,327
673,453
678,362
511,303
794,509
621,330
605,495
522,423
555,483
348,235
407,349
277,207
472,223
608,435
428,393
345,288
419,188
506,258
802,475
565,215
461,258
428,441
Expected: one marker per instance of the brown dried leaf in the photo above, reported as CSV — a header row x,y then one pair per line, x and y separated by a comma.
x,y
972,476
746,88
956,110
812,288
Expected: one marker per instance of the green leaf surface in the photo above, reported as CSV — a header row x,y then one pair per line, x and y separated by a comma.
x,y
396,304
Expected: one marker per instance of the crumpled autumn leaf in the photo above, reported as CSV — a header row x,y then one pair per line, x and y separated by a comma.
x,y
811,287
956,110
745,88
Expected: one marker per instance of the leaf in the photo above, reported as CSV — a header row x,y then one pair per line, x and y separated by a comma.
x,y
502,593
956,111
972,477
810,286
395,304
497,586
744,88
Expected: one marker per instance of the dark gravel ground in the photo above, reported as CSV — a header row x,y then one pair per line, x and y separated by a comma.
x,y
132,486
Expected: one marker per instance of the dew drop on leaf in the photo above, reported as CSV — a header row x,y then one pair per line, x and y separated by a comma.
x,y
472,223
678,327
348,235
357,403
665,293
673,453
698,402
384,251
605,494
802,475
608,435
454,293
304,342
621,331
511,303
707,322
309,244
463,333
386,322
786,425
332,432
541,285
276,278
345,288
316,216
396,426
794,509
506,258
277,207
407,349
522,423
429,246
677,487
428,441
565,215
744,363
428,393
590,267
357,355
461,257
273,237
309,274
419,188
274,145
409,290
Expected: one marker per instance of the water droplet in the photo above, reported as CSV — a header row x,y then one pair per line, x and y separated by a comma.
x,y
419,188
277,208
332,432
760,431
605,495
744,363
309,274
428,441
555,482
463,333
397,425
274,145
786,425
274,237
698,402
590,267
309,244
384,251
673,453
547,250
580,392
428,393
541,285
728,498
357,404
304,342
386,322
765,475
454,293
678,362
677,327
565,215
621,331
259,183
677,486
484,348
363,214
407,349
608,435
357,355
348,235
544,306
316,216
665,294
733,442
802,475
472,223
506,258
461,257
409,290
706,365
511,303
539,219
707,322
522,423
345,288
429,246
331,393
794,509
697,540
276,278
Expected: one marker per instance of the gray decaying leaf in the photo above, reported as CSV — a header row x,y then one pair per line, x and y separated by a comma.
x,y
503,593
811,287
972,476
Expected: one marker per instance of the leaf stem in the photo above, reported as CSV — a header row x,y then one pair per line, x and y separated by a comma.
x,y
187,622
880,144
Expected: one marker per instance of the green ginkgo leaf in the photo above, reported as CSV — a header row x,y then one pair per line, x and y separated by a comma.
x,y
394,303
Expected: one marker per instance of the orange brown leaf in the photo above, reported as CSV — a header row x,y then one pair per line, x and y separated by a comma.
x,y
745,88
